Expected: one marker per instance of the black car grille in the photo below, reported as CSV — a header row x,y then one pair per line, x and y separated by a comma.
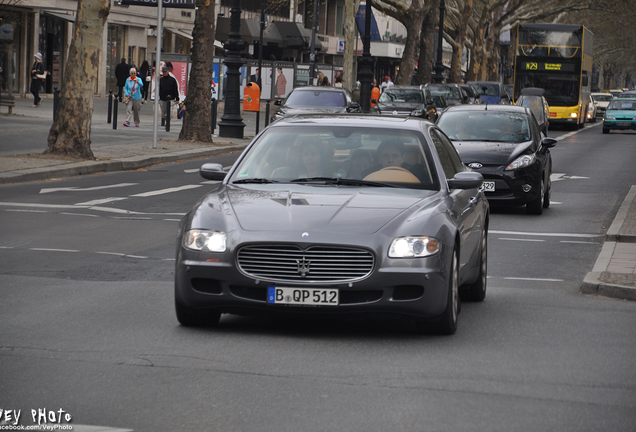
x,y
314,264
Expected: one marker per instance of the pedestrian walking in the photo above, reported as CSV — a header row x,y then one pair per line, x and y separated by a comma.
x,y
132,97
168,91
121,73
145,73
37,75
386,84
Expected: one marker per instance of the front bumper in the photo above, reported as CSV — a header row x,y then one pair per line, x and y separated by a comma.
x,y
396,287
510,185
619,124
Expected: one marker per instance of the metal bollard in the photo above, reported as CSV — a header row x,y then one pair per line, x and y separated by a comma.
x,y
110,106
213,113
56,100
115,114
267,114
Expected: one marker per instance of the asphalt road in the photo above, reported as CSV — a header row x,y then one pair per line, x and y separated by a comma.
x,y
89,326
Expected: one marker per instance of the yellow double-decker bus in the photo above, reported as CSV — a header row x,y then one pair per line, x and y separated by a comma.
x,y
558,59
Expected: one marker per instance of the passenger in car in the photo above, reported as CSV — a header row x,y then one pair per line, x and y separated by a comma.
x,y
359,161
391,154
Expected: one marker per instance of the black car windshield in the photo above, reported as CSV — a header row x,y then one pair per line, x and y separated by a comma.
x,y
486,89
492,126
622,105
316,98
446,91
391,95
338,156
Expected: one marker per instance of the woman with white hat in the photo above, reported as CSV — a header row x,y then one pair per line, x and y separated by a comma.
x,y
37,75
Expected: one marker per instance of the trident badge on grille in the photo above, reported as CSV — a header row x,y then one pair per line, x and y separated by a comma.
x,y
303,267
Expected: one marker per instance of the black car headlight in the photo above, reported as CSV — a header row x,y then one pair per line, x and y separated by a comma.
x,y
522,161
414,247
205,241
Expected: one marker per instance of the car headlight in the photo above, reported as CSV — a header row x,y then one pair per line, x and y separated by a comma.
x,y
418,113
414,247
609,117
574,115
205,241
521,162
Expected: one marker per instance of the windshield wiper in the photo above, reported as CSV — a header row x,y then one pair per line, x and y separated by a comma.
x,y
341,181
254,180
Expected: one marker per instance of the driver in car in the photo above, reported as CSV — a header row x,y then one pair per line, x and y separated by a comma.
x,y
391,154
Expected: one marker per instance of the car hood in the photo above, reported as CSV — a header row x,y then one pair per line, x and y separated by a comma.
x,y
621,114
387,108
491,153
314,208
288,111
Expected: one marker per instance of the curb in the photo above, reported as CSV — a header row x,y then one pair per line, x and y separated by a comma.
x,y
124,164
592,283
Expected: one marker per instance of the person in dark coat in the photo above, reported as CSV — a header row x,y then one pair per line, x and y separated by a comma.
x,y
145,72
168,91
122,71
37,75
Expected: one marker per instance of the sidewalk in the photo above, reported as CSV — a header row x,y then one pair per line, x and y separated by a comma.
x,y
614,274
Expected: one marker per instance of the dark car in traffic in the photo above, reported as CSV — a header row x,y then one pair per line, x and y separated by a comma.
x,y
354,216
504,144
413,101
532,97
491,92
314,100
454,93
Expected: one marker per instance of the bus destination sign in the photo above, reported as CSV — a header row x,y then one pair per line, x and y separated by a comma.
x,y
549,67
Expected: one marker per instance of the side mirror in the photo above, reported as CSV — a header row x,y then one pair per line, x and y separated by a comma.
x,y
548,142
212,171
466,180
278,102
356,105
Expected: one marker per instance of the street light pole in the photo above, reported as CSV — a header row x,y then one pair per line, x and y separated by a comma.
x,y
231,124
366,74
312,55
439,66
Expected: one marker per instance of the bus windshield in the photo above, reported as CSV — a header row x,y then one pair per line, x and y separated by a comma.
x,y
560,90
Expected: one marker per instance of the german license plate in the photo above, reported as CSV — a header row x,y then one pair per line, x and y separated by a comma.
x,y
303,296
623,124
489,186
553,115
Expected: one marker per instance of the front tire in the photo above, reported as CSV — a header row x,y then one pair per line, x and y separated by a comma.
x,y
447,323
476,292
535,207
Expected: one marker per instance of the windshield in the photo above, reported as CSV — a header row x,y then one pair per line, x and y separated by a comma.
x,y
391,95
485,126
486,89
348,156
622,105
602,98
447,92
627,95
315,98
535,104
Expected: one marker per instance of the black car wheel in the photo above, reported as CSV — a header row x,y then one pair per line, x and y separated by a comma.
x,y
535,206
477,291
196,317
447,323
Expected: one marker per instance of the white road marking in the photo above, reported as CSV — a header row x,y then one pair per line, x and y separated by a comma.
x,y
111,253
547,234
165,191
562,176
209,182
190,171
78,189
53,250
100,201
577,242
28,211
79,214
526,240
534,279
135,256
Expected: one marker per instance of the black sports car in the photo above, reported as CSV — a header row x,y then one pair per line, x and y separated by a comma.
x,y
337,215
503,142
413,101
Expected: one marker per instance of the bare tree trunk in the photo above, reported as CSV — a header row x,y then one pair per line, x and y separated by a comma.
x,y
455,74
427,39
198,103
70,134
349,74
413,26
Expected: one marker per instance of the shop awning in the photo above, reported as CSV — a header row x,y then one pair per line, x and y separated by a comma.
x,y
250,30
61,15
178,32
295,35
